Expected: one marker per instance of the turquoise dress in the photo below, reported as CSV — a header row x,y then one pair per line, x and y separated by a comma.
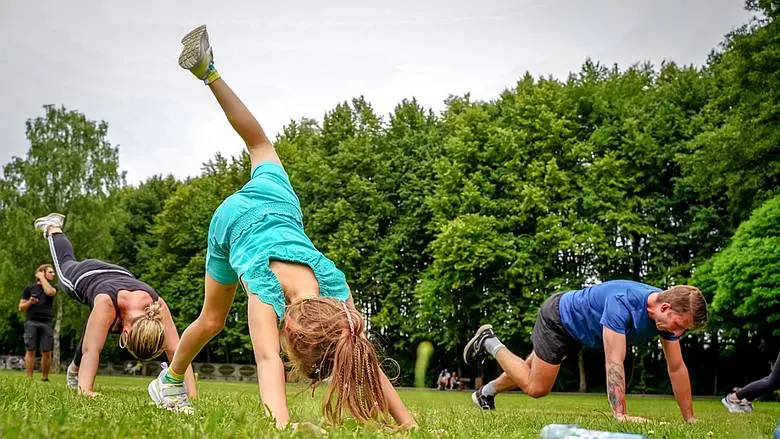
x,y
260,223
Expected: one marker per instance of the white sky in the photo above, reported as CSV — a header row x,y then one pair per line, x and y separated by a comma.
x,y
117,61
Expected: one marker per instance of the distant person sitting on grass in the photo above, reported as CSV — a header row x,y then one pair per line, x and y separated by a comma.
x,y
444,379
741,400
256,239
613,315
454,381
36,302
118,303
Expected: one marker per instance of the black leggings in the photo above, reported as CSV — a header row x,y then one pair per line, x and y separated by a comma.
x,y
77,355
66,265
764,385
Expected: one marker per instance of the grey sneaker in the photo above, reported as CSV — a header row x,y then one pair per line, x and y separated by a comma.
x,y
51,220
171,397
72,378
740,406
475,352
197,55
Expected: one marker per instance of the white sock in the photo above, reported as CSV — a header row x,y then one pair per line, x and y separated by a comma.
x,y
489,389
493,345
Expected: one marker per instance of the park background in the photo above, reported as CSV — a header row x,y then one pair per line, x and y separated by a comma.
x,y
445,220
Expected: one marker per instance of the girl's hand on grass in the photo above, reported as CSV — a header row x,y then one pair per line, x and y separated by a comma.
x,y
308,427
409,426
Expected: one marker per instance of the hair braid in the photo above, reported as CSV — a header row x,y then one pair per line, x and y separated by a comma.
x,y
325,337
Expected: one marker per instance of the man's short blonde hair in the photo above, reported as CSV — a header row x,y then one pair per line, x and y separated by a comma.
x,y
687,299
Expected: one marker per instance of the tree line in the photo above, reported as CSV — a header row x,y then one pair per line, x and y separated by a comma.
x,y
444,221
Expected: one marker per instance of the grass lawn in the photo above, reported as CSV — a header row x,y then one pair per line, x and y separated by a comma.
x,y
225,409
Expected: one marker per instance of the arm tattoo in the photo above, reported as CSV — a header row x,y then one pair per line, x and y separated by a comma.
x,y
616,388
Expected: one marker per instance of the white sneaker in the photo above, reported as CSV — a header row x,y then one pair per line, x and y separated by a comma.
x,y
171,397
197,55
51,220
72,378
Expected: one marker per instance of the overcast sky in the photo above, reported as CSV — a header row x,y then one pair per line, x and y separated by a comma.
x,y
117,61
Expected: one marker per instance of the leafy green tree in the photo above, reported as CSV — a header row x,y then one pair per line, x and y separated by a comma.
x,y
134,241
746,277
736,159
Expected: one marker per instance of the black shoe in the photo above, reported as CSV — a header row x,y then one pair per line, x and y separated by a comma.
x,y
45,380
482,401
474,352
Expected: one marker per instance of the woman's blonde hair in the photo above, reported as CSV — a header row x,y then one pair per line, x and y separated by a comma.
x,y
325,337
146,338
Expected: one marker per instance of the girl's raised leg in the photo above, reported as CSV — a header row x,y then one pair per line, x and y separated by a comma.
x,y
197,57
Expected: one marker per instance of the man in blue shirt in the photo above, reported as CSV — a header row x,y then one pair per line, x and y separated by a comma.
x,y
609,315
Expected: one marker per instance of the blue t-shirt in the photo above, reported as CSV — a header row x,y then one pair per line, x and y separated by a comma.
x,y
620,305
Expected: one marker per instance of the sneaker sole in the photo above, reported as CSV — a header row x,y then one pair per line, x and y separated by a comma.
x,y
51,218
190,54
473,340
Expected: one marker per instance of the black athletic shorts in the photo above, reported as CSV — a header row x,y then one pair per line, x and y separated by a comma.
x,y
38,335
552,343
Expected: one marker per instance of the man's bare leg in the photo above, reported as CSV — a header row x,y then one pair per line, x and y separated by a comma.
x,y
504,382
45,364
29,363
536,379
533,375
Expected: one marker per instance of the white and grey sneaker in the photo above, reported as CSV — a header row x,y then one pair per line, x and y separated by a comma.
x,y
171,397
733,405
197,55
72,378
51,220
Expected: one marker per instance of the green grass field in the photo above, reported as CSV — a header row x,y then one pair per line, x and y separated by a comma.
x,y
36,409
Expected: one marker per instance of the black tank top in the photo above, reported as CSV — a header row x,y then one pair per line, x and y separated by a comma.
x,y
93,277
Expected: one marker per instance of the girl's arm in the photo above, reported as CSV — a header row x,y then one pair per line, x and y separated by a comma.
x,y
397,408
99,323
270,369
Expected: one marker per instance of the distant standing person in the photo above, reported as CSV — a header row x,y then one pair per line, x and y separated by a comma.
x,y
36,303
